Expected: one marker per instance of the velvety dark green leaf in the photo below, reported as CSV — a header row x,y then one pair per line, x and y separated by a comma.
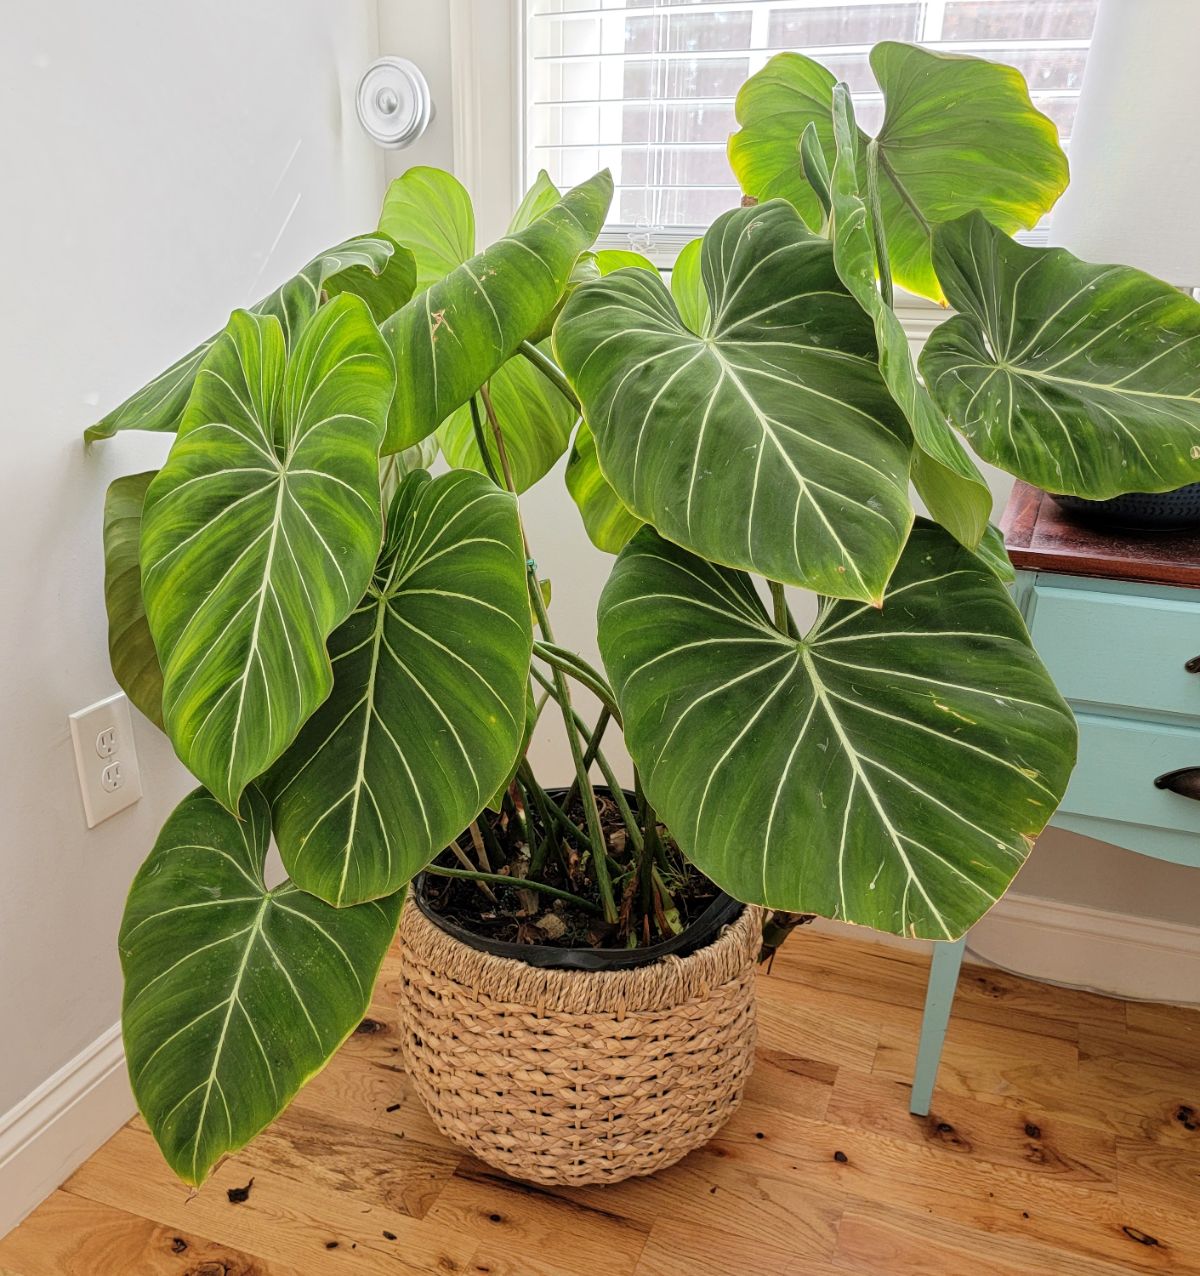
x,y
371,265
130,646
955,493
768,443
959,134
260,533
607,522
890,769
535,416
454,336
235,995
427,711
1080,379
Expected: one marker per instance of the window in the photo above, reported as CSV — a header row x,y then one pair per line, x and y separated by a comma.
x,y
646,87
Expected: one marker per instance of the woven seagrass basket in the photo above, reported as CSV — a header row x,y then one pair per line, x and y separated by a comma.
x,y
569,1077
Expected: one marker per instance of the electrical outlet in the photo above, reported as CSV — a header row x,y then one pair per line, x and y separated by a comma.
x,y
109,777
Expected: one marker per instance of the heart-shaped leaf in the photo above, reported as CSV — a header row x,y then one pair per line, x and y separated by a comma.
x,y
687,286
130,645
430,212
535,417
371,266
235,995
959,134
955,493
769,442
1081,379
605,518
427,711
891,768
260,533
453,337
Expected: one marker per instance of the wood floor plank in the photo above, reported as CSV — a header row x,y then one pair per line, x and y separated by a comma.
x,y
672,1250
885,1242
1064,1138
1022,1137
292,1221
1033,1199
531,1234
69,1236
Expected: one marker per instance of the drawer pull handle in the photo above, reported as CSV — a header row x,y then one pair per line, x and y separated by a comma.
x,y
1193,665
1185,781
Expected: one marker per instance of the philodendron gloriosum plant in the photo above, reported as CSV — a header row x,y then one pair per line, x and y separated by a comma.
x,y
342,647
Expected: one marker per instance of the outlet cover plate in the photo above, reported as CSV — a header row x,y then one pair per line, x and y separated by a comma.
x,y
103,736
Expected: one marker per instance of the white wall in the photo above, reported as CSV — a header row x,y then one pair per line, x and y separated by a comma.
x,y
163,163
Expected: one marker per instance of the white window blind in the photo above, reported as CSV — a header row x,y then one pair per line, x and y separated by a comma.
x,y
646,87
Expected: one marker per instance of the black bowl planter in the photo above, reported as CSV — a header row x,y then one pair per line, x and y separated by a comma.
x,y
1147,511
701,931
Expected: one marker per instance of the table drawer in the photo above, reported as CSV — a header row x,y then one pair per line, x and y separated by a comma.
x,y
1120,649
1118,762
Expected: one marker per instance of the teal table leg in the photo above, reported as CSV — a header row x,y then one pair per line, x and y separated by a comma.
x,y
939,997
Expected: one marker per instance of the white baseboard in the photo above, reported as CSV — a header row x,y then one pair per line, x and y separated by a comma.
x,y
1141,958
52,1131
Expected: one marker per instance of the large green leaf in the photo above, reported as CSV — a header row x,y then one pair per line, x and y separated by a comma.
x,y
606,520
955,493
429,211
260,532
687,286
371,266
959,134
769,442
453,337
534,415
890,769
130,645
1080,379
427,710
235,995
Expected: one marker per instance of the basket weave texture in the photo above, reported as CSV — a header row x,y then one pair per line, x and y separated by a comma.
x,y
569,1077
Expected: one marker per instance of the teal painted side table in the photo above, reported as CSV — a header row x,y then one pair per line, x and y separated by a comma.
x,y
1115,616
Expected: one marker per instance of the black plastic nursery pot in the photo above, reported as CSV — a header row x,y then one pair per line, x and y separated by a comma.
x,y
700,931
565,1066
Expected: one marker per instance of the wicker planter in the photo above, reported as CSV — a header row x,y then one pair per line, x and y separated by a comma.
x,y
569,1077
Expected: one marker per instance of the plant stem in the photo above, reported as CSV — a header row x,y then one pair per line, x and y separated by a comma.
x,y
567,662
502,879
610,778
562,692
463,859
552,372
615,787
481,443
590,753
591,812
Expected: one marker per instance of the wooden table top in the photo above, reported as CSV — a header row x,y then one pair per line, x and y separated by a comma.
x,y
1041,537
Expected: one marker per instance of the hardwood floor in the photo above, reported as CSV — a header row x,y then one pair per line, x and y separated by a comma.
x,y
1065,1139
